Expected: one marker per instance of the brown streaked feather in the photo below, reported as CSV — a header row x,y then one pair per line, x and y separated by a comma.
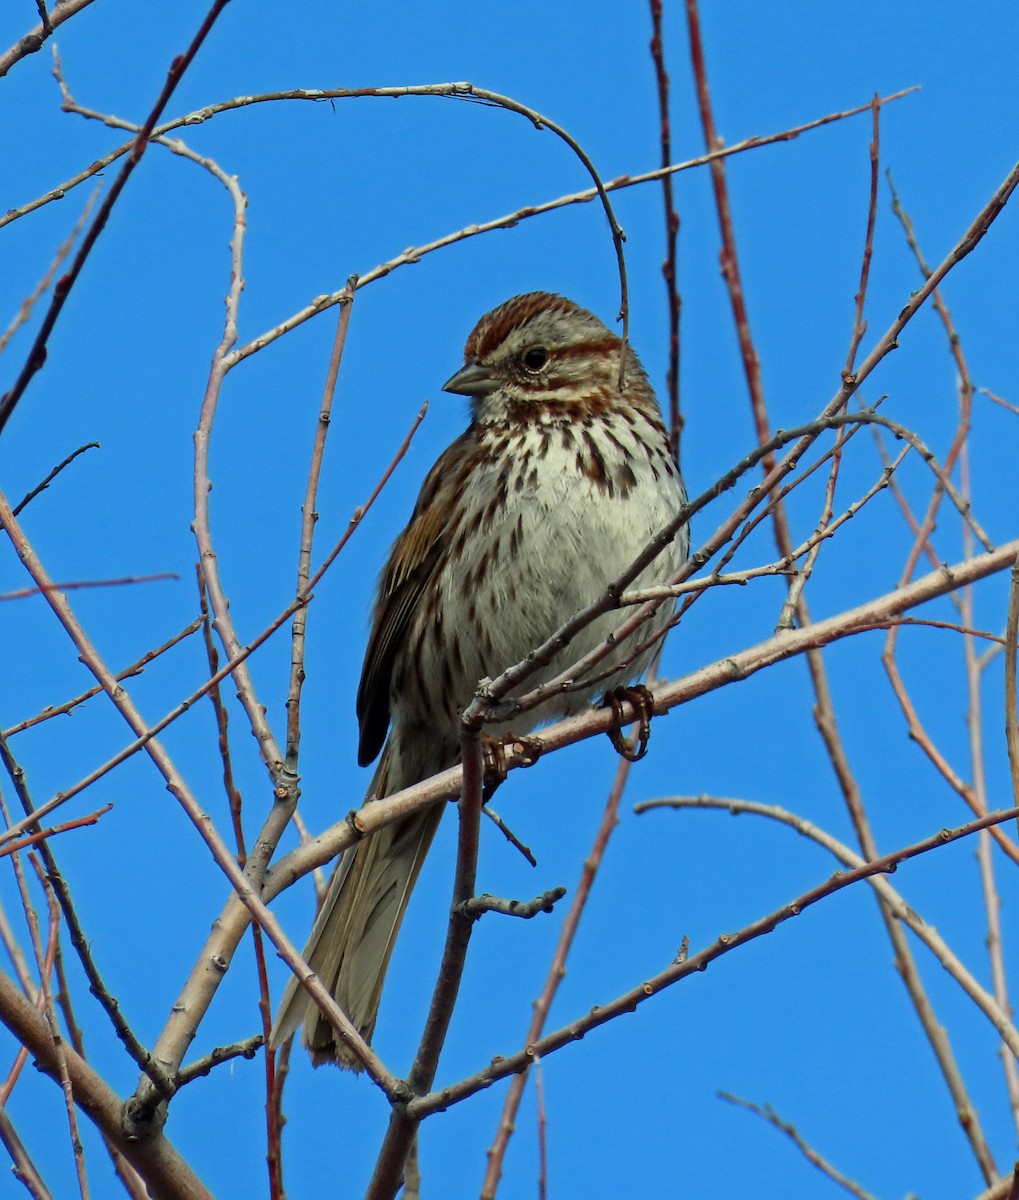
x,y
411,564
523,520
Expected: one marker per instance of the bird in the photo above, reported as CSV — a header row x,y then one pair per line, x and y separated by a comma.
x,y
561,478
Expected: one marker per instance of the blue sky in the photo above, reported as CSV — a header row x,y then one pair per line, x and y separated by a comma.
x,y
812,1019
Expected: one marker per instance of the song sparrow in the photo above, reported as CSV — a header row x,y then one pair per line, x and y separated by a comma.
x,y
558,482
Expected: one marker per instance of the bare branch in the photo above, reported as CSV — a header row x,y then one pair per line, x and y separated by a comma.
x,y
37,354
56,882
859,324
309,518
24,1170
672,224
25,312
768,1114
35,38
474,908
988,1005
41,487
402,1131
77,584
501,1068
203,1066
508,834
166,1173
554,976
1011,715
44,834
135,668
595,722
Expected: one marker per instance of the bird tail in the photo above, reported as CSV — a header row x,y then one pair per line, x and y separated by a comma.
x,y
353,936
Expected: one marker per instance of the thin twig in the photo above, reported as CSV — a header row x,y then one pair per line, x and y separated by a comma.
x,y
274,1160
25,311
966,386
975,728
791,607
35,38
77,584
274,1118
37,354
81,944
477,906
45,964
233,796
798,581
508,834
539,1099
782,566
955,452
1011,715
136,668
412,1175
767,1113
907,511
985,1002
43,834
918,733
18,962
309,517
22,1167
755,518
683,966
824,711
670,271
554,976
859,324
321,883
41,487
319,96
221,1054
1012,408
44,17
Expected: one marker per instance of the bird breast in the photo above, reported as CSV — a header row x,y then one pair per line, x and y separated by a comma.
x,y
529,545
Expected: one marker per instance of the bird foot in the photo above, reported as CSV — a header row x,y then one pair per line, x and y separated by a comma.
x,y
495,753
633,749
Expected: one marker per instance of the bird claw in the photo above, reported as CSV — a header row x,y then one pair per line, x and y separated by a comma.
x,y
495,755
632,749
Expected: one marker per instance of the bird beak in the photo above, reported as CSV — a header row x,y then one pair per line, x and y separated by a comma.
x,y
471,380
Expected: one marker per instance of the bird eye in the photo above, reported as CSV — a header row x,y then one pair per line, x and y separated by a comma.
x,y
535,358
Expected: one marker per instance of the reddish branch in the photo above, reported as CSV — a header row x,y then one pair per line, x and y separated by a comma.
x,y
554,976
43,834
824,709
684,966
669,267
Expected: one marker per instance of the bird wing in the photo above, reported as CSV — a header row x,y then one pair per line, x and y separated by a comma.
x,y
412,562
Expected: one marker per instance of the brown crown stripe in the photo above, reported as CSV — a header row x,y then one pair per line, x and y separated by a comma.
x,y
488,334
